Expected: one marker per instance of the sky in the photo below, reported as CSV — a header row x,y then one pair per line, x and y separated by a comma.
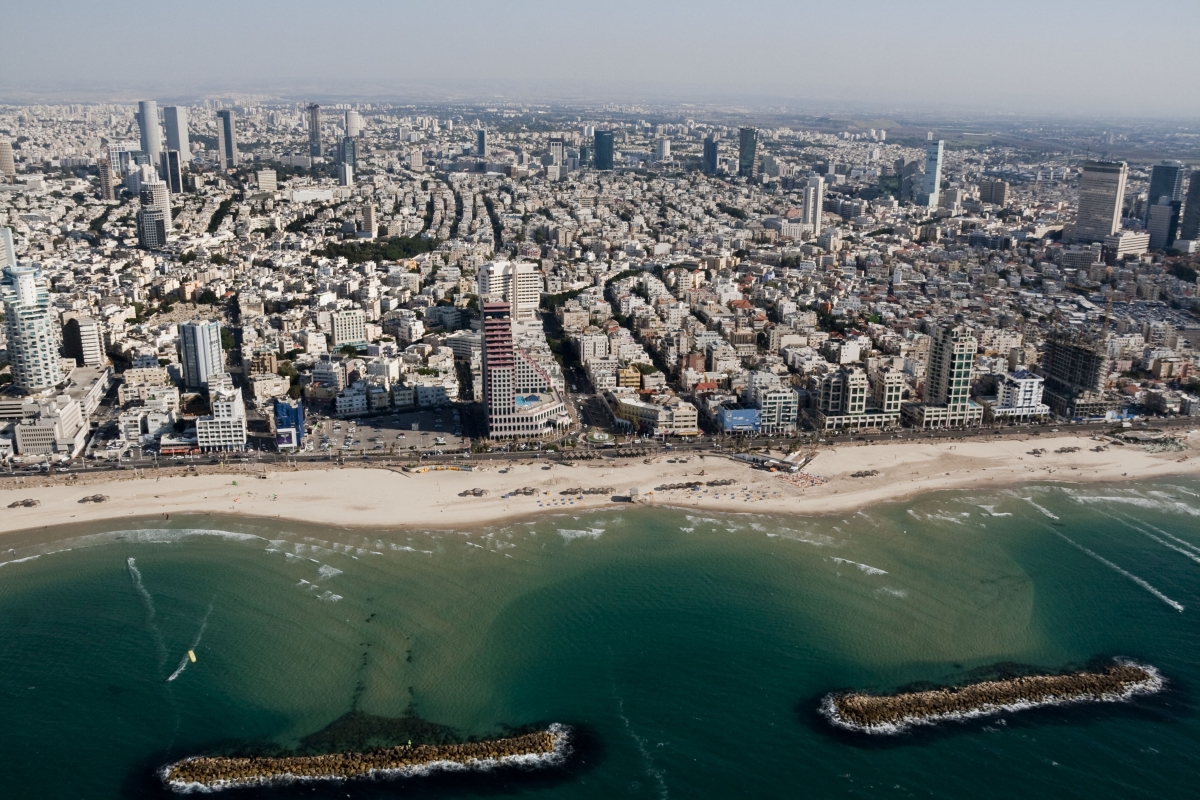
x,y
1086,57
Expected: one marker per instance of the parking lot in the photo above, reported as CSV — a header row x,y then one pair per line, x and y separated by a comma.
x,y
429,431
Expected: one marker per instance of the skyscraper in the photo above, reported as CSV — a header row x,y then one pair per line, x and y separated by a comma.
x,y
151,133
747,152
345,175
354,124
370,221
108,188
154,217
814,203
175,118
83,340
200,352
604,150
499,366
498,279
931,186
348,151
558,151
709,165
33,336
1162,223
172,171
481,143
1166,180
1190,229
227,152
948,375
1101,195
8,167
662,150
314,129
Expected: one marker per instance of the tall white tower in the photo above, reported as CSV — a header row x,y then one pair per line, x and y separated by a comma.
x,y
151,133
32,328
931,187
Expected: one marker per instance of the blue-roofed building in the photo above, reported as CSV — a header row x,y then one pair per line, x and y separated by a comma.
x,y
738,420
289,424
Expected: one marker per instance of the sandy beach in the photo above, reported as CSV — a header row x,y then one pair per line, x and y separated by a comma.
x,y
388,498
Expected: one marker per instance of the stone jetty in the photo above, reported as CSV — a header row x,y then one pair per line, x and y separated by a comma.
x,y
218,772
893,713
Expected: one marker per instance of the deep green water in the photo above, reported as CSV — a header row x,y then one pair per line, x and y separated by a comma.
x,y
690,650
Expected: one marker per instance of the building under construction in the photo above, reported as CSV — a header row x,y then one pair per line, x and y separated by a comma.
x,y
1075,366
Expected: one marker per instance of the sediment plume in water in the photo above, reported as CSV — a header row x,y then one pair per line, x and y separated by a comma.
x,y
540,748
897,712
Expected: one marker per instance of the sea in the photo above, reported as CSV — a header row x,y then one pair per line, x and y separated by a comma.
x,y
688,652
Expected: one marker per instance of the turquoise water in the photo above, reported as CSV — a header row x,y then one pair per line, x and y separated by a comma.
x,y
690,650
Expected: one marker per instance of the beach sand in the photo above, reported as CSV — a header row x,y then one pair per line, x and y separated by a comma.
x,y
388,499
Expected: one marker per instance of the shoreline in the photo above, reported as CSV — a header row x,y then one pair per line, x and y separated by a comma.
x,y
382,498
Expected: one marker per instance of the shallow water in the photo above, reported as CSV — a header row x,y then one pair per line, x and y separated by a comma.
x,y
690,650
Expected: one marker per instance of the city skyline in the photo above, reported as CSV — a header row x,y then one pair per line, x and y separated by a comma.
x,y
1052,68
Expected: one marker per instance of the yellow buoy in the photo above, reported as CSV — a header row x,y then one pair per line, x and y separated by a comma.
x,y
192,656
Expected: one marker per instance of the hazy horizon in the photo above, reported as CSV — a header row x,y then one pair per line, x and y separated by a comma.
x,y
1024,58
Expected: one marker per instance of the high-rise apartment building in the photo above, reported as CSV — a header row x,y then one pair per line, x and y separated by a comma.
x,y
709,163
604,150
314,129
151,226
349,328
662,150
108,187
176,122
814,203
200,352
8,167
747,152
345,174
1190,227
354,125
931,184
267,180
994,192
83,340
481,143
1101,195
518,283
948,381
30,322
370,220
558,151
150,131
227,152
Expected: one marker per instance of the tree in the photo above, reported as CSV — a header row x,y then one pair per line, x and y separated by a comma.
x,y
209,298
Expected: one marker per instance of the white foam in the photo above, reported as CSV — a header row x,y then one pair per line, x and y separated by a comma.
x,y
893,592
589,533
865,568
1039,508
1126,573
328,572
1153,684
329,597
1139,502
23,560
195,643
555,757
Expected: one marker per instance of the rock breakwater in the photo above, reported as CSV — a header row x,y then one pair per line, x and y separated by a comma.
x,y
894,713
208,773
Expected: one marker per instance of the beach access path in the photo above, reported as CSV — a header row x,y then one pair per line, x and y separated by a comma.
x,y
384,498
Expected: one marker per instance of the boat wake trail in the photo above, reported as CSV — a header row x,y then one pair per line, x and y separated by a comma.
x,y
1126,573
183,662
652,771
148,601
1185,553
